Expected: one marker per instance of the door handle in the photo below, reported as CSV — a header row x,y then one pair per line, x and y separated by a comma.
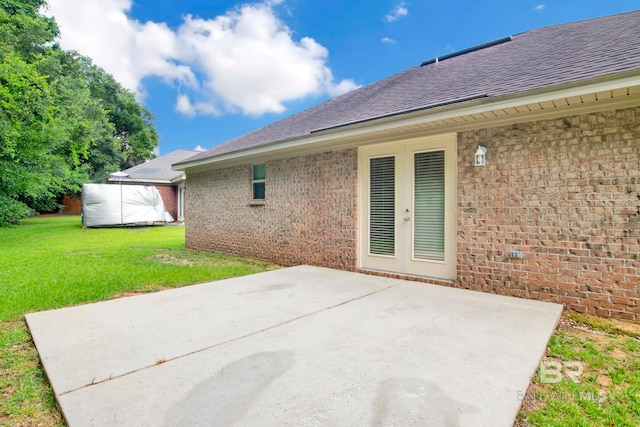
x,y
406,218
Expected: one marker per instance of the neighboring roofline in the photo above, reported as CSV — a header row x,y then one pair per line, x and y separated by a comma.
x,y
162,167
475,106
151,181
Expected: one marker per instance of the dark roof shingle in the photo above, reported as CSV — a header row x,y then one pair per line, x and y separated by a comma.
x,y
535,59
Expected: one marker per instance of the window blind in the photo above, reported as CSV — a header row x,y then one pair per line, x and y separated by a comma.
x,y
428,230
382,206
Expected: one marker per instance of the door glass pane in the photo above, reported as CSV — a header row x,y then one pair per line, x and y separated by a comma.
x,y
382,200
428,225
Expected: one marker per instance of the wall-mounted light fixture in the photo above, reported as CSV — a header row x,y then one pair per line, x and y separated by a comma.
x,y
480,156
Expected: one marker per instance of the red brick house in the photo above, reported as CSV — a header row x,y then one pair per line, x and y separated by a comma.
x,y
512,167
170,183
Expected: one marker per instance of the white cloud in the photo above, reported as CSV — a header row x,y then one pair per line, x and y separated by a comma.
x,y
539,7
186,107
252,62
245,60
345,85
387,40
125,48
399,10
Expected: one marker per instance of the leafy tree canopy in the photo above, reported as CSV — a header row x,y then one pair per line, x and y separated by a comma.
x,y
63,121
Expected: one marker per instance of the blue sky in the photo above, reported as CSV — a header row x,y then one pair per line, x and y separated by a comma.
x,y
213,70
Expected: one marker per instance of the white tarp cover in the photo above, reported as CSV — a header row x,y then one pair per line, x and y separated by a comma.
x,y
104,206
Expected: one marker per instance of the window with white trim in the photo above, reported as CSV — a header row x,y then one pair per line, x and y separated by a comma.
x,y
258,182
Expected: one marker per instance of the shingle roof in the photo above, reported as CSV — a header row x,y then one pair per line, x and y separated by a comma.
x,y
535,59
159,169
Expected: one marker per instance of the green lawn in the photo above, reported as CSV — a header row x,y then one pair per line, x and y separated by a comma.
x,y
606,390
51,262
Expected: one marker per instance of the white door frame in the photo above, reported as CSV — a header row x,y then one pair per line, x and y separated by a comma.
x,y
181,190
403,260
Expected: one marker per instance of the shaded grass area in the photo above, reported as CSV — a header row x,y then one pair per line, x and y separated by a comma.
x,y
604,358
52,262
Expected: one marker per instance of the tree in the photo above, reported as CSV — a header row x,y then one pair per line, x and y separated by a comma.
x,y
134,133
23,28
63,121
29,169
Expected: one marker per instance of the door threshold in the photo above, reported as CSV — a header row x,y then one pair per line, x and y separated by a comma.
x,y
410,277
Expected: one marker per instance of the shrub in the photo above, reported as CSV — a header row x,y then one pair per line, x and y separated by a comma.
x,y
12,211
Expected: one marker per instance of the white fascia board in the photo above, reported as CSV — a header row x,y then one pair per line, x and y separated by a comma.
x,y
479,106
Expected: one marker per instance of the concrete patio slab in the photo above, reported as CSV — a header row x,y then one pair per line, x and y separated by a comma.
x,y
297,346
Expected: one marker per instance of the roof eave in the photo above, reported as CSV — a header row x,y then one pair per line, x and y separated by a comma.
x,y
474,106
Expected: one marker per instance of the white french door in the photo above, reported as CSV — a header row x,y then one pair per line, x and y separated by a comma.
x,y
408,205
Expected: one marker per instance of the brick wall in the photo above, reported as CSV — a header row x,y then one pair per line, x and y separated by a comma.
x,y
309,215
169,194
566,193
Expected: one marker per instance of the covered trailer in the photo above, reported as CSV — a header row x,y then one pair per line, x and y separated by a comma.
x,y
108,205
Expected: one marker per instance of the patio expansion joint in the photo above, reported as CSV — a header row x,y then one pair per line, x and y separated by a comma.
x,y
313,313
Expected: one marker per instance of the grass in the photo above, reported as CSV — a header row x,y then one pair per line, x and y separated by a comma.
x,y
26,399
52,262
607,391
